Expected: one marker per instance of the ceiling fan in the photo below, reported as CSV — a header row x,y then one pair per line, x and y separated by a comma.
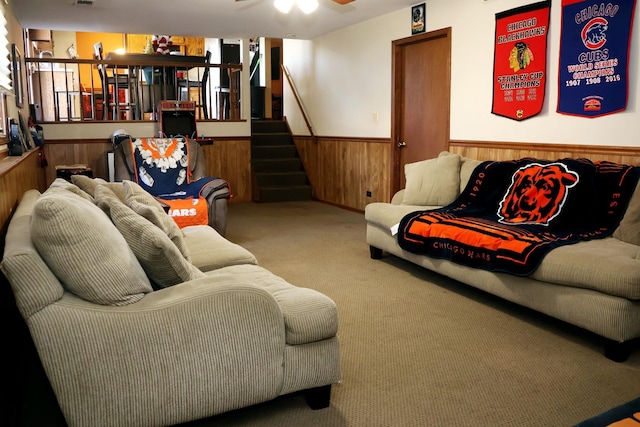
x,y
307,6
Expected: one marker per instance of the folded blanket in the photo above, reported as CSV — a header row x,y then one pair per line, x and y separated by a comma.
x,y
187,211
511,214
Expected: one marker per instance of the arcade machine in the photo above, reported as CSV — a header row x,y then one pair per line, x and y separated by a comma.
x,y
178,118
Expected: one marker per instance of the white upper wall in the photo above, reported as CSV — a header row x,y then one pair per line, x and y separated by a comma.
x,y
345,78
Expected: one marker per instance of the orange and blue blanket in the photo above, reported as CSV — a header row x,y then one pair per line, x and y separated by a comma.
x,y
162,169
511,214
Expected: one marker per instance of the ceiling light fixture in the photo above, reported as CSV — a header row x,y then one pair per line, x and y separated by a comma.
x,y
283,6
307,6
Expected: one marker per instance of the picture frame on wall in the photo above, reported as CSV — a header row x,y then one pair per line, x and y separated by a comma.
x,y
418,18
16,64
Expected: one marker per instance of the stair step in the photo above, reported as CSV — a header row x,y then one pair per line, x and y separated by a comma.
x,y
273,151
281,138
269,126
284,194
281,179
276,165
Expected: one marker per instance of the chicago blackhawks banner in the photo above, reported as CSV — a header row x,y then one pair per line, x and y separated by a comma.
x,y
594,57
520,61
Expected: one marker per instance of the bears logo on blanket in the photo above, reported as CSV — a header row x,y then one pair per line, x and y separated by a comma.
x,y
537,194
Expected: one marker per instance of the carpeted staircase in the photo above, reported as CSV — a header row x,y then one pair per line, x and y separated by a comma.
x,y
278,173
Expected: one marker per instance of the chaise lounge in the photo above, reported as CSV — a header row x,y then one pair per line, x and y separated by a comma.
x,y
139,323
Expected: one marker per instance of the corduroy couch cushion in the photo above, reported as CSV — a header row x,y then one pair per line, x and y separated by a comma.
x,y
85,251
145,205
629,228
309,316
209,250
158,255
63,184
434,182
89,185
86,183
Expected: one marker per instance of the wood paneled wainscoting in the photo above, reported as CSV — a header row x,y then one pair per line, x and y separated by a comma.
x,y
17,175
488,150
230,159
343,170
89,152
226,158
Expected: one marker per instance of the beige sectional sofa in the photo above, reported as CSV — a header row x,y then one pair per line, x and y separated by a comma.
x,y
139,323
592,284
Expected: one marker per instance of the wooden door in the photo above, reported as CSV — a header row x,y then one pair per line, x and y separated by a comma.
x,y
420,100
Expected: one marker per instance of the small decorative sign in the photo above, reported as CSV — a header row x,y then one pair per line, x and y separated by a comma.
x,y
417,19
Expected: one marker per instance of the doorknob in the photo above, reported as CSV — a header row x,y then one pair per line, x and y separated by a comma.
x,y
401,144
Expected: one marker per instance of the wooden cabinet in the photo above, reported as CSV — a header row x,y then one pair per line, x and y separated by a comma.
x,y
193,46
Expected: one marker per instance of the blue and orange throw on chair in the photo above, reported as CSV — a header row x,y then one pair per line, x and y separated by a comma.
x,y
162,168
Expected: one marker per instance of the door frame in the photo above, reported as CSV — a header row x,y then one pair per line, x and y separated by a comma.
x,y
397,101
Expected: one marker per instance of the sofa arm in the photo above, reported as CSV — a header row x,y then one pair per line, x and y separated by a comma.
x,y
217,193
201,347
397,198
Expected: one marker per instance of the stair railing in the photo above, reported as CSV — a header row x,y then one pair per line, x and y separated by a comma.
x,y
296,95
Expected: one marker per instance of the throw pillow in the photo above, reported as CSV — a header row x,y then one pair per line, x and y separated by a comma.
x,y
433,182
104,198
118,189
467,166
145,205
158,255
86,183
60,183
629,228
84,250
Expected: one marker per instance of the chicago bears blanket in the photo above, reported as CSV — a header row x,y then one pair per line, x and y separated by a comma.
x,y
162,166
513,213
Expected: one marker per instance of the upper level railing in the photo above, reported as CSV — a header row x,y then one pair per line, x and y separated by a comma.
x,y
129,88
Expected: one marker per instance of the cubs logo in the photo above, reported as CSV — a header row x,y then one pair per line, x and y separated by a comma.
x,y
594,34
536,194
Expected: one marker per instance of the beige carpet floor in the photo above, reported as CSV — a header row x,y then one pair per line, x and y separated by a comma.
x,y
418,349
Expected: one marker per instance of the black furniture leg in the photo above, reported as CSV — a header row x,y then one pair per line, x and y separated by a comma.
x,y
375,252
318,397
617,351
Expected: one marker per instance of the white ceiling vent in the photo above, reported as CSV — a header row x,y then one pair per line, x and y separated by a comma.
x,y
83,2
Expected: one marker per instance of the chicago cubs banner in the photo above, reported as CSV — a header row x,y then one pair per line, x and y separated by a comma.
x,y
594,57
520,61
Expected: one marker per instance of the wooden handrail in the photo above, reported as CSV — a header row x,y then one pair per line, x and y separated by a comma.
x,y
285,71
151,61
